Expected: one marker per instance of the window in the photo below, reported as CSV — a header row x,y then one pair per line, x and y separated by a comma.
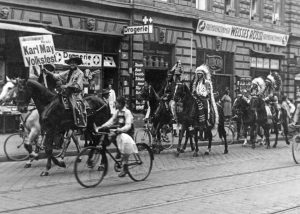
x,y
254,9
229,6
276,11
201,4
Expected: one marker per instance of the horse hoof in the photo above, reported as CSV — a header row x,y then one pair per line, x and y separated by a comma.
x,y
79,160
268,147
44,173
287,143
206,153
27,165
62,164
181,150
195,154
177,154
274,146
193,149
226,152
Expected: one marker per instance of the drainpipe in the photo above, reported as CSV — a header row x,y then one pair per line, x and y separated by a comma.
x,y
130,57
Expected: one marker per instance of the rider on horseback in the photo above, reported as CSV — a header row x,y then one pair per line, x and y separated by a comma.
x,y
72,86
202,91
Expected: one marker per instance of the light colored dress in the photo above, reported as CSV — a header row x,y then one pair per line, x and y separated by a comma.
x,y
227,107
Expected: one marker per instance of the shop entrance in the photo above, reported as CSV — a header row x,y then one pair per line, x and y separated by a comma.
x,y
156,78
110,76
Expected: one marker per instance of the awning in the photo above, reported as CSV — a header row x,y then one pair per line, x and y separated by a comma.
x,y
14,27
265,54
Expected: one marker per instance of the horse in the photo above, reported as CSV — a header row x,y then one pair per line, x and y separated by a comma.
x,y
59,122
188,115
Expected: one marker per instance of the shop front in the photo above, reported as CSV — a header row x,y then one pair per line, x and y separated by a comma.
x,y
221,67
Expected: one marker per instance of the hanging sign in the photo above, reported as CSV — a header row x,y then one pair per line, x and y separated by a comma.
x,y
88,59
37,50
241,33
139,80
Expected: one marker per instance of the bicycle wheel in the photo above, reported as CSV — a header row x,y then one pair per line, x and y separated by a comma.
x,y
167,137
140,165
229,134
296,149
143,136
14,148
88,172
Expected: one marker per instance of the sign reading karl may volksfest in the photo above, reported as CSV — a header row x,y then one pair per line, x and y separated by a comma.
x,y
241,33
37,50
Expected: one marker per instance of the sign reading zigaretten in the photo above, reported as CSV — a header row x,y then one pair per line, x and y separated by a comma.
x,y
37,50
241,33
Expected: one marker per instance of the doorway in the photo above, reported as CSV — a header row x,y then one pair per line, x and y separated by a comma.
x,y
156,78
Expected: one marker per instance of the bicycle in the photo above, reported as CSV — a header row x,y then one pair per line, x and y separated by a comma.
x,y
93,164
14,145
230,129
145,135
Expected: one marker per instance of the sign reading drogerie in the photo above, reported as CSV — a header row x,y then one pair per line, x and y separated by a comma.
x,y
142,29
37,50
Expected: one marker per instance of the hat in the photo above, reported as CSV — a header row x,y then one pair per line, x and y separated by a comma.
x,y
49,67
105,91
76,59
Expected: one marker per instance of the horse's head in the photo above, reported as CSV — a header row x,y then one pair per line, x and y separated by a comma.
x,y
23,95
8,91
256,103
180,92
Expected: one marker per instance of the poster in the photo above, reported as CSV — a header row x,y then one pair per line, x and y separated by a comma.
x,y
139,80
37,50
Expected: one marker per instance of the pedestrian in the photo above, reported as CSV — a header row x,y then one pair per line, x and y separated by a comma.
x,y
227,105
105,95
124,133
285,117
112,99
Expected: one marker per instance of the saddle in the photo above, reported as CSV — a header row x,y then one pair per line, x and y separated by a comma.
x,y
78,107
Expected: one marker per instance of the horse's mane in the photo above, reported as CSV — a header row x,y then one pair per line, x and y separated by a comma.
x,y
38,89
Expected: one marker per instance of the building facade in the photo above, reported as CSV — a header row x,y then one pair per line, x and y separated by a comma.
x,y
238,39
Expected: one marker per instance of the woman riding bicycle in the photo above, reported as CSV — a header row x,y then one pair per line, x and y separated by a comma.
x,y
124,133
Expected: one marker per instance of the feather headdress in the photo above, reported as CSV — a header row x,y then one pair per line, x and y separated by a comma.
x,y
258,83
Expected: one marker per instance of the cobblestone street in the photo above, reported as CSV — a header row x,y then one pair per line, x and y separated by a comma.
x,y
243,181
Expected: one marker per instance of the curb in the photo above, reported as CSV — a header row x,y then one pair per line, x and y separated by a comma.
x,y
201,144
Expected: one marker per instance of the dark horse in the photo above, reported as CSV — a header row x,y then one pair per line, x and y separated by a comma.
x,y
159,114
60,120
259,116
187,115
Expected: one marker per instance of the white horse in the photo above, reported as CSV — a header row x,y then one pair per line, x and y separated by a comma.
x,y
30,119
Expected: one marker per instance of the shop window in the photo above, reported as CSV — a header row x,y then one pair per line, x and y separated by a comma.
x,y
201,4
254,9
276,12
229,6
111,45
76,42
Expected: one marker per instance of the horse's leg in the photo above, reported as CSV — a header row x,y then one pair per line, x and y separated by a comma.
x,y
253,135
222,133
196,130
267,134
48,151
286,132
179,149
246,127
209,137
276,134
189,135
31,139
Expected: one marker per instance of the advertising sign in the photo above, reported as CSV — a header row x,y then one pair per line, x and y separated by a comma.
x,y
139,80
88,59
241,33
141,29
37,50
